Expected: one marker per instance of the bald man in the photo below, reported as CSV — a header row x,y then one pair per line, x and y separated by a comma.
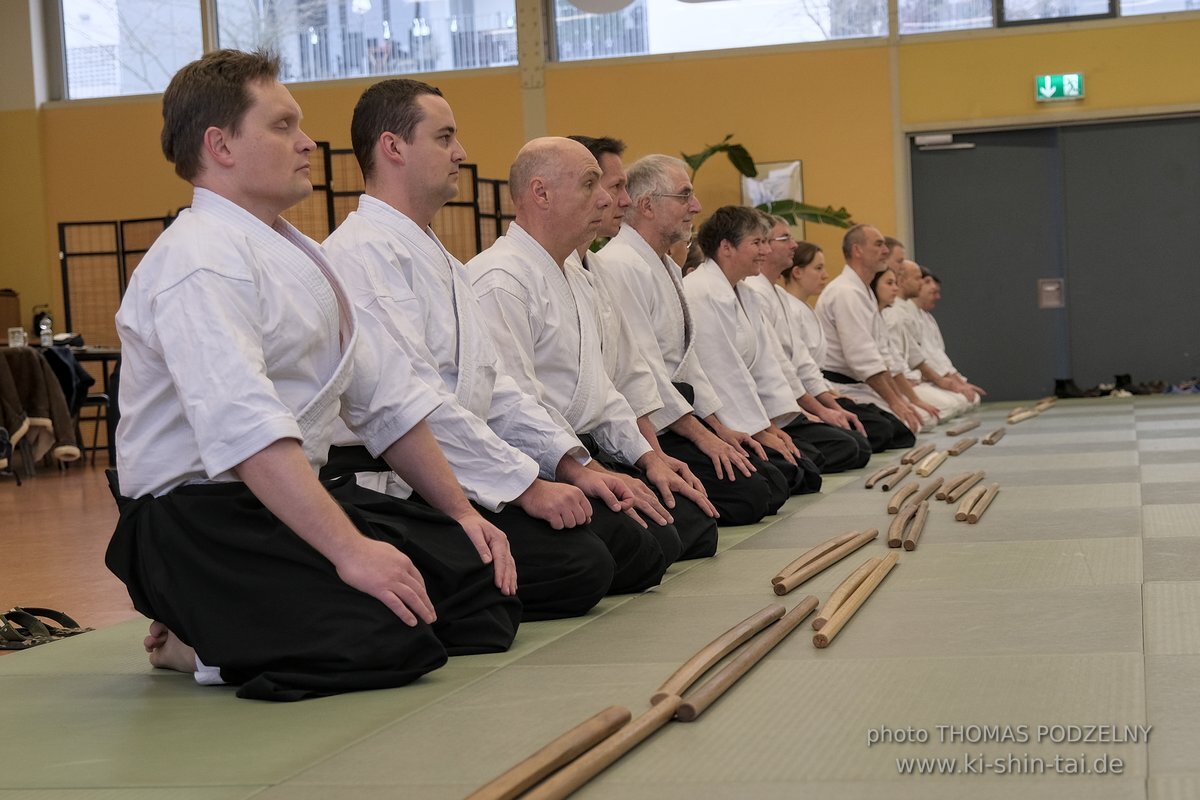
x,y
542,319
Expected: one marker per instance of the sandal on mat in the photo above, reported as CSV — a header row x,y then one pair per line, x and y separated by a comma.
x,y
31,631
63,626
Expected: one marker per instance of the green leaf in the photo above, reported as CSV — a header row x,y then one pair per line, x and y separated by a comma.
x,y
742,160
696,159
794,211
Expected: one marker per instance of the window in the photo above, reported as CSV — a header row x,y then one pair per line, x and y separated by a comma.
x,y
1026,11
927,16
116,47
586,29
324,39
1131,8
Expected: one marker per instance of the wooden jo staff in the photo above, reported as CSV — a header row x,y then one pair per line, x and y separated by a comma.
x,y
962,445
931,462
963,427
893,480
951,483
994,436
968,500
714,651
965,486
926,492
695,703
913,534
587,766
982,504
844,590
554,755
789,582
846,610
878,475
896,531
813,553
916,454
901,496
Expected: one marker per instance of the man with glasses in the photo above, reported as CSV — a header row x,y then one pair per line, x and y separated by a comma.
x,y
834,434
623,362
646,284
755,394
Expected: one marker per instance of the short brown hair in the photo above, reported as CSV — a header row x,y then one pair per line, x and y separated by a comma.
x,y
210,92
387,106
728,224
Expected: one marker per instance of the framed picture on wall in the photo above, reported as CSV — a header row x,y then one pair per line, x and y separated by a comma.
x,y
777,180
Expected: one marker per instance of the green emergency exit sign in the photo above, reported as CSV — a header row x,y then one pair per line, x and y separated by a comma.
x,y
1048,88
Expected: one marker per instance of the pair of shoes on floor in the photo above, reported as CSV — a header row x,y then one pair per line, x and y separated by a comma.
x,y
1125,383
23,628
1065,388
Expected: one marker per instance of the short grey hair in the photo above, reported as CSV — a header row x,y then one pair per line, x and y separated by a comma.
x,y
649,175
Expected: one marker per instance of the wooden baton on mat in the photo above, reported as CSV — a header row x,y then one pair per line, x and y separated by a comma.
x,y
557,753
982,503
844,590
968,500
893,480
879,475
832,557
812,554
901,496
963,427
913,534
994,436
568,779
846,610
896,531
916,454
714,651
962,445
695,703
1021,416
962,488
925,493
951,484
931,462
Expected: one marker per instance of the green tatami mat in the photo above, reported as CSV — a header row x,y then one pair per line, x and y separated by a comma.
x,y
1074,602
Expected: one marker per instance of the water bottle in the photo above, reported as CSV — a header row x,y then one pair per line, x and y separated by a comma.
x,y
47,335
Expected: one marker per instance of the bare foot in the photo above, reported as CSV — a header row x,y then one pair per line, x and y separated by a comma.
x,y
167,652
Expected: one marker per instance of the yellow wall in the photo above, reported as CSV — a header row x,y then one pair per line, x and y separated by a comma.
x,y
829,106
1127,66
26,259
781,106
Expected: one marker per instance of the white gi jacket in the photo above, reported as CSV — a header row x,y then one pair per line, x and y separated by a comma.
x,y
935,344
778,310
543,321
236,334
649,292
810,328
856,336
905,349
623,361
754,391
497,438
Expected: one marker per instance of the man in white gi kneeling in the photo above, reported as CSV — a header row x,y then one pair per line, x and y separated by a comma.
x,y
240,348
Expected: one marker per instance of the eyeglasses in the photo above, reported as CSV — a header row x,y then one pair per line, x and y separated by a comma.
x,y
684,197
787,237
